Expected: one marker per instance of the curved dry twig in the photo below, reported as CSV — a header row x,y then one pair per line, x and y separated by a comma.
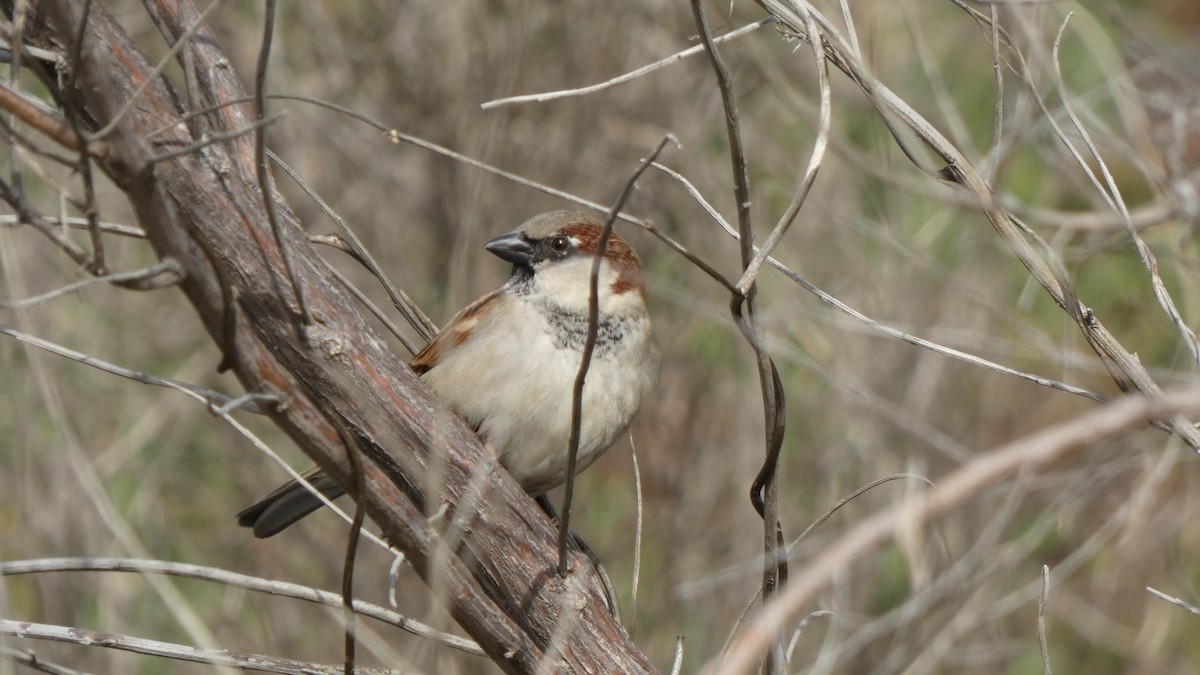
x,y
235,580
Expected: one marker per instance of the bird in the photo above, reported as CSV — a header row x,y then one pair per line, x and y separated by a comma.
x,y
507,363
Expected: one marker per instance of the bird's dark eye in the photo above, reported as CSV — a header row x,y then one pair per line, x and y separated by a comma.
x,y
560,244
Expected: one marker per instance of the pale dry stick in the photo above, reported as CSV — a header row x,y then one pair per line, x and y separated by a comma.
x,y
1043,646
1030,453
998,115
1143,499
1175,601
1117,202
382,648
1126,367
824,123
164,273
397,136
677,661
637,537
631,75
872,323
887,410
235,580
394,578
222,659
1145,216
167,58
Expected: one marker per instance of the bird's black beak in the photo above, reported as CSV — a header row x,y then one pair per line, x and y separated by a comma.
x,y
513,248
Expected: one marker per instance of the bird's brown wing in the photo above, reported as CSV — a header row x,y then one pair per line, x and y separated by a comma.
x,y
454,334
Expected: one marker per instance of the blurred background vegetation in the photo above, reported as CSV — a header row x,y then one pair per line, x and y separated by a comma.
x,y
91,464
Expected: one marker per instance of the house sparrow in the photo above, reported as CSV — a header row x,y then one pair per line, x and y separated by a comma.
x,y
507,362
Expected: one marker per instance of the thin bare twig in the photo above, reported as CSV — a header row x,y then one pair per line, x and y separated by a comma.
x,y
397,136
210,139
998,113
235,580
349,618
735,571
589,345
262,170
158,70
32,661
632,75
44,119
1043,646
1178,602
219,404
83,164
677,661
409,309
159,275
764,492
208,396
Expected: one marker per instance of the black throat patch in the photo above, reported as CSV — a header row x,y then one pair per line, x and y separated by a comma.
x,y
570,329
